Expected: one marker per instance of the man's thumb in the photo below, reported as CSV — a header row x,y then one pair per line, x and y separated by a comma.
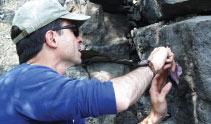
x,y
165,90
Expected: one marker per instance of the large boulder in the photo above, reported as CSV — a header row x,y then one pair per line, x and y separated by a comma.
x,y
155,10
114,6
104,33
77,72
106,71
190,41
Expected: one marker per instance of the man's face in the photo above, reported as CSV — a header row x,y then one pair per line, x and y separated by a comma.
x,y
69,46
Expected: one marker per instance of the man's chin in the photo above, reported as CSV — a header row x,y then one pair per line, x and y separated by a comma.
x,y
78,62
74,62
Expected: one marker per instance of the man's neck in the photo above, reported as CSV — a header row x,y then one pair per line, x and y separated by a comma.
x,y
51,62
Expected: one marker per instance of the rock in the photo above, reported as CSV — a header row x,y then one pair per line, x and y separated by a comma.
x,y
109,119
6,16
146,39
155,10
104,34
203,111
106,71
77,72
106,119
201,54
150,10
76,6
62,2
113,6
195,35
8,58
12,5
1,15
189,40
127,117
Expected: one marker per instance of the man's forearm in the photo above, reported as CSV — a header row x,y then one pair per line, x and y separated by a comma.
x,y
130,87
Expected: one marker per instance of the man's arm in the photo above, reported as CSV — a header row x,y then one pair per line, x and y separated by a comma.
x,y
158,92
131,86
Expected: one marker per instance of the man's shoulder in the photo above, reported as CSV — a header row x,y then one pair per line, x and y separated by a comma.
x,y
35,71
27,73
26,68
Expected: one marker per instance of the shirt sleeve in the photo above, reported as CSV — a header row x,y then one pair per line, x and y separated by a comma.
x,y
45,95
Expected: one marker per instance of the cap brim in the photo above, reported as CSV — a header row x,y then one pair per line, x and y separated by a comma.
x,y
78,19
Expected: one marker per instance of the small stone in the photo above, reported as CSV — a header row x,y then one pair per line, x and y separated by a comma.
x,y
2,16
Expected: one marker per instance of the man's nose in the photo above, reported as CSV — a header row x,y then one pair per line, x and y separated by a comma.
x,y
80,39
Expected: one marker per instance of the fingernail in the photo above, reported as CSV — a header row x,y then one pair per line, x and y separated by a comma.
x,y
169,84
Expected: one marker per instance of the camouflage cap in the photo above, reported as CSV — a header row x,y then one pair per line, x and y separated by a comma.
x,y
35,14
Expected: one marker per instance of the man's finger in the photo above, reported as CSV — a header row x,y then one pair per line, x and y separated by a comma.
x,y
167,66
154,82
168,60
173,67
163,79
166,90
170,53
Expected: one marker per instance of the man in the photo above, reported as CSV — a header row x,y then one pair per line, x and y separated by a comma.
x,y
48,42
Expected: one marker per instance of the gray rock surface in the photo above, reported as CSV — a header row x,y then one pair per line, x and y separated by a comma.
x,y
106,36
190,41
114,6
106,71
103,33
8,58
77,72
155,10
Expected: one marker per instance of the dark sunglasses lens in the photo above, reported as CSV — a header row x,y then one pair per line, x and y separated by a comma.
x,y
74,28
76,31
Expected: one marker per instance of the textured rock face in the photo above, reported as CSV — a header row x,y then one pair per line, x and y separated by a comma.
x,y
155,10
104,33
193,55
110,5
107,37
8,57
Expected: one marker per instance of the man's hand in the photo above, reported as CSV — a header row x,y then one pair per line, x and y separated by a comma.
x,y
161,55
158,92
129,88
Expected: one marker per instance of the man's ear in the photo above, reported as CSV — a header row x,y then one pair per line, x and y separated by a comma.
x,y
50,39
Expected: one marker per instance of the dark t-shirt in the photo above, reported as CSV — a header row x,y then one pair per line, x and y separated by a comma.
x,y
34,94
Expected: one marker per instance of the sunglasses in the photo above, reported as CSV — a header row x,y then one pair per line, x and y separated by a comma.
x,y
73,27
